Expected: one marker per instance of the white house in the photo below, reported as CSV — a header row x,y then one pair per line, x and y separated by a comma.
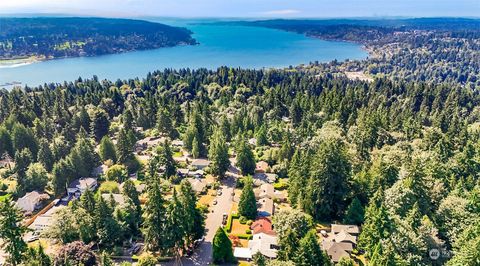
x,y
79,186
263,243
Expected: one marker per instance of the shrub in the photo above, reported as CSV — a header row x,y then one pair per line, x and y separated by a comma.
x,y
280,186
76,253
243,220
147,260
249,222
109,187
248,231
117,173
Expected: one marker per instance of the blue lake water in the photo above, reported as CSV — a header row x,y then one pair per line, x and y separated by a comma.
x,y
220,45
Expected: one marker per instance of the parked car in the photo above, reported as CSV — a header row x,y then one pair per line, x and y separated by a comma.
x,y
214,202
224,220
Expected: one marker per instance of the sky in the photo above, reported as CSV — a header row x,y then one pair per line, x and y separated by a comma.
x,y
247,8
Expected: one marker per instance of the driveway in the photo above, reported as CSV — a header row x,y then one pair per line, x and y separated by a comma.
x,y
203,254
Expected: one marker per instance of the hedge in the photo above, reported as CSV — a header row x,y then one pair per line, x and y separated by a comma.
x,y
244,236
228,226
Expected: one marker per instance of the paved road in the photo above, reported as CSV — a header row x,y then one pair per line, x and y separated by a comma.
x,y
203,254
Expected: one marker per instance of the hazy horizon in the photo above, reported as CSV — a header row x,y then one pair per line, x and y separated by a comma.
x,y
244,8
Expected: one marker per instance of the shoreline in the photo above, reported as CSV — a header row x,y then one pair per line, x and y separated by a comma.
x,y
17,62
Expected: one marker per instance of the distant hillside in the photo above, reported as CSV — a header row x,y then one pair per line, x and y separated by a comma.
x,y
48,37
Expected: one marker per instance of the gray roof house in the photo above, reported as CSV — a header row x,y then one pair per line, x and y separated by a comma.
x,y
31,202
341,241
200,163
266,207
79,186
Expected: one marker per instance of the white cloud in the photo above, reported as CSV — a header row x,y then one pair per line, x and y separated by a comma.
x,y
282,12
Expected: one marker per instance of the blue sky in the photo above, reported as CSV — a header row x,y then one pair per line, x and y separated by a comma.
x,y
248,8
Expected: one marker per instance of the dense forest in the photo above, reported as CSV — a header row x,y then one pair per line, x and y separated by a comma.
x,y
67,37
399,158
428,49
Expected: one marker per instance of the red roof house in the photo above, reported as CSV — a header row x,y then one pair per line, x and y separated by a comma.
x,y
262,225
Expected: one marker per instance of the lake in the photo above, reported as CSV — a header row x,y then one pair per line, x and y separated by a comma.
x,y
219,45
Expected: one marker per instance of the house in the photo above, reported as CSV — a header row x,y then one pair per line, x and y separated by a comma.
x,y
336,251
182,172
262,225
45,220
341,241
200,163
265,244
119,199
79,186
271,178
32,201
147,142
140,188
177,143
242,253
265,207
265,178
198,185
262,167
196,174
351,229
268,191
7,162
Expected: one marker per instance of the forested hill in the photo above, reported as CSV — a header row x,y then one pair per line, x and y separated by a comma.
x,y
422,49
69,37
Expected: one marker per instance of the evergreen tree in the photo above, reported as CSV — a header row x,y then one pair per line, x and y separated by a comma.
x,y
261,136
107,150
83,157
107,228
355,213
35,256
45,156
165,159
23,138
222,248
309,252
124,147
327,187
130,191
6,145
154,220
100,123
23,159
164,122
247,206
194,219
62,172
195,148
87,202
297,175
11,231
176,225
218,154
245,158
377,226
